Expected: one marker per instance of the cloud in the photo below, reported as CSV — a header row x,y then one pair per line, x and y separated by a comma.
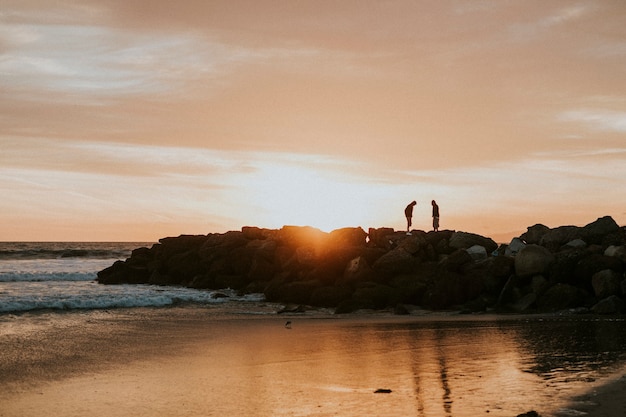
x,y
603,120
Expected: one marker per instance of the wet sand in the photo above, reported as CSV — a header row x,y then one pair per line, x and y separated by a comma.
x,y
192,362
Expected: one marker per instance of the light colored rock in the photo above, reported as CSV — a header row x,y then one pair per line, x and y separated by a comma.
x,y
576,244
616,252
514,247
477,252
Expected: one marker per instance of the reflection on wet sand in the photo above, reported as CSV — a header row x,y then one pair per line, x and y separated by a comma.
x,y
329,367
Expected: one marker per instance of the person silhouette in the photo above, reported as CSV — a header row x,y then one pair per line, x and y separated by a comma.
x,y
435,216
408,213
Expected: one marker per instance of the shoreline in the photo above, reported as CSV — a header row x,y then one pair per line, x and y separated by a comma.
x,y
46,350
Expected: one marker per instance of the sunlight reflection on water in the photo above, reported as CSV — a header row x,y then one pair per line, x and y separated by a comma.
x,y
333,367
458,368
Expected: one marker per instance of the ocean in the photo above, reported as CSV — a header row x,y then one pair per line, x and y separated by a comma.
x,y
62,276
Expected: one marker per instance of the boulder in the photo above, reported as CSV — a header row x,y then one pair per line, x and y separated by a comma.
x,y
606,283
380,237
514,247
253,233
559,236
123,273
464,240
348,236
618,252
395,262
576,244
330,296
413,244
534,234
456,260
533,260
596,231
477,252
610,305
589,265
358,270
560,297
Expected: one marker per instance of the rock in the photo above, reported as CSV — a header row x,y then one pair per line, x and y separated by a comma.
x,y
531,413
539,284
348,236
576,244
618,252
375,296
589,265
464,240
253,233
560,297
514,247
595,232
533,260
413,244
456,260
123,273
382,391
557,237
525,303
183,243
534,234
380,237
477,252
610,305
606,283
395,262
342,269
357,270
330,296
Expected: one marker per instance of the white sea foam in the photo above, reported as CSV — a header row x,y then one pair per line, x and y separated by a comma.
x,y
62,295
67,283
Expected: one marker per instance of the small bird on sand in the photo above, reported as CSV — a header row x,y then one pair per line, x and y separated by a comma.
x,y
288,325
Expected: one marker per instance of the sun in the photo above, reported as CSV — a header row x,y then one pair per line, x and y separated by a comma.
x,y
302,195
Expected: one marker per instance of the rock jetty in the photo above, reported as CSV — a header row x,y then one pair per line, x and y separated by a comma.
x,y
545,269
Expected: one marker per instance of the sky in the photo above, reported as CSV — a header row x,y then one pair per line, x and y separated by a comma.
x,y
132,120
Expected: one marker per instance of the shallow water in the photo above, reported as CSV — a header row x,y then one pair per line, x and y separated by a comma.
x,y
255,366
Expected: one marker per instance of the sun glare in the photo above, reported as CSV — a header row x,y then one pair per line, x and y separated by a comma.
x,y
300,195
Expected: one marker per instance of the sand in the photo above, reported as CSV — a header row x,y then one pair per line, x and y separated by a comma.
x,y
192,362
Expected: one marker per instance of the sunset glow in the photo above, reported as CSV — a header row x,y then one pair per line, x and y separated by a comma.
x,y
144,119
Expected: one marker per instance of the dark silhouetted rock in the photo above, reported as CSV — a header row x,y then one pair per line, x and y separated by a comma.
x,y
610,305
395,262
380,237
606,283
559,236
561,297
595,232
533,260
551,269
534,234
464,240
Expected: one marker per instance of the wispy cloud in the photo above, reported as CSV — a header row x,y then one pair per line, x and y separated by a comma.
x,y
604,120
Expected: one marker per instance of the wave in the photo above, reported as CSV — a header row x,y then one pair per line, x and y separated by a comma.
x,y
60,250
43,277
91,296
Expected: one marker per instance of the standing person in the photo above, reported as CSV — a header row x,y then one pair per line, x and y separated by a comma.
x,y
408,213
435,216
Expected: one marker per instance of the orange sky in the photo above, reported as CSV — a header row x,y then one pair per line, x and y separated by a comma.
x,y
135,120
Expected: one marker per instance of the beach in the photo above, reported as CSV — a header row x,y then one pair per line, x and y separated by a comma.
x,y
190,361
